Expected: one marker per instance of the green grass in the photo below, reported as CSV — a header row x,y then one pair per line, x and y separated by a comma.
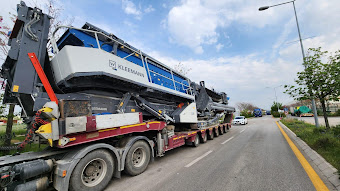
x,y
324,141
19,131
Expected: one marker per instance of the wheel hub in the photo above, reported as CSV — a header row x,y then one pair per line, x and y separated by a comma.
x,y
138,157
94,172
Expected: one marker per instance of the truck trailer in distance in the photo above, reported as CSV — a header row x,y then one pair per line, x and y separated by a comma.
x,y
257,112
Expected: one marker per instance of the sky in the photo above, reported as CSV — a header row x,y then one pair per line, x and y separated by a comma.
x,y
229,44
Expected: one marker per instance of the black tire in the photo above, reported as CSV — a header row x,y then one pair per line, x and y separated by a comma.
x,y
216,133
228,127
211,135
204,138
220,130
224,129
196,142
137,158
93,172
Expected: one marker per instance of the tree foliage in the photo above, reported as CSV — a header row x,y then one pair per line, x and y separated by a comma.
x,y
276,106
5,28
245,106
246,113
182,69
319,80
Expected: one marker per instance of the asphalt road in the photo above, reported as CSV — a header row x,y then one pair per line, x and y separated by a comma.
x,y
249,157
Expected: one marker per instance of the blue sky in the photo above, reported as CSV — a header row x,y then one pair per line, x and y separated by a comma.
x,y
227,43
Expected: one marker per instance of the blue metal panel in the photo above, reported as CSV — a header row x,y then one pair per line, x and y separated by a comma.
x,y
158,75
131,58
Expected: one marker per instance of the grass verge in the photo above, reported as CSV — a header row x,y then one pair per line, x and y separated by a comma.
x,y
324,141
18,135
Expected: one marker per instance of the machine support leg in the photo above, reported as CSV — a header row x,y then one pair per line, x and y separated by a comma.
x,y
43,77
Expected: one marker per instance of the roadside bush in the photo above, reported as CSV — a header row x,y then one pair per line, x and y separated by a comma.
x,y
246,113
324,141
319,112
334,114
277,114
336,131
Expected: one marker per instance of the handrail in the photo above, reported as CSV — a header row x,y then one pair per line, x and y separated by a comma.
x,y
55,47
147,67
173,79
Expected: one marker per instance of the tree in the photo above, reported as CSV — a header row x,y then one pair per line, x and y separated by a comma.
x,y
276,106
245,106
180,68
319,79
4,35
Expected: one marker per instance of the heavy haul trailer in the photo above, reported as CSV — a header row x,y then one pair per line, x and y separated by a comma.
x,y
102,105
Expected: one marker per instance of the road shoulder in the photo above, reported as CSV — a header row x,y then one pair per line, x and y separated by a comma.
x,y
325,170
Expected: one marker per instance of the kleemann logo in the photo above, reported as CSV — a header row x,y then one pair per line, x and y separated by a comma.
x,y
130,70
113,64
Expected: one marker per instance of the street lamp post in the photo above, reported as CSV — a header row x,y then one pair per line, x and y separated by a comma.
x,y
302,50
277,104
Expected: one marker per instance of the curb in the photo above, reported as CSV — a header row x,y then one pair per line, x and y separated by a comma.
x,y
319,163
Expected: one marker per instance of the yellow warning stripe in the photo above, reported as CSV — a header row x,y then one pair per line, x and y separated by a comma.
x,y
192,133
103,130
313,176
128,126
154,122
178,137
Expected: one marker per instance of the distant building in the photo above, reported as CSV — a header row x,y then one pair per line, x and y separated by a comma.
x,y
331,106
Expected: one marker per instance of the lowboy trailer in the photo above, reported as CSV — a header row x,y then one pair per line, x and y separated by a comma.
x,y
101,105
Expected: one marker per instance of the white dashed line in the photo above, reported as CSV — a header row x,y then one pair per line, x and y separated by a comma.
x,y
227,140
242,130
199,158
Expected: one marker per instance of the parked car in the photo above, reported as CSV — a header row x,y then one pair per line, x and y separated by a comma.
x,y
240,120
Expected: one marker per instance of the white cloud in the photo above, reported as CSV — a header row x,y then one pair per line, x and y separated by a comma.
x,y
149,9
315,18
219,46
194,23
243,78
130,8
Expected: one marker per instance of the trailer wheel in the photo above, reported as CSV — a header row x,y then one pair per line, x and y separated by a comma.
x,y
137,158
216,133
196,142
93,172
224,129
211,135
220,130
204,138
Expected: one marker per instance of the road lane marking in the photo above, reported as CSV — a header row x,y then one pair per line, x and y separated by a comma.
x,y
227,140
313,176
198,159
242,130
